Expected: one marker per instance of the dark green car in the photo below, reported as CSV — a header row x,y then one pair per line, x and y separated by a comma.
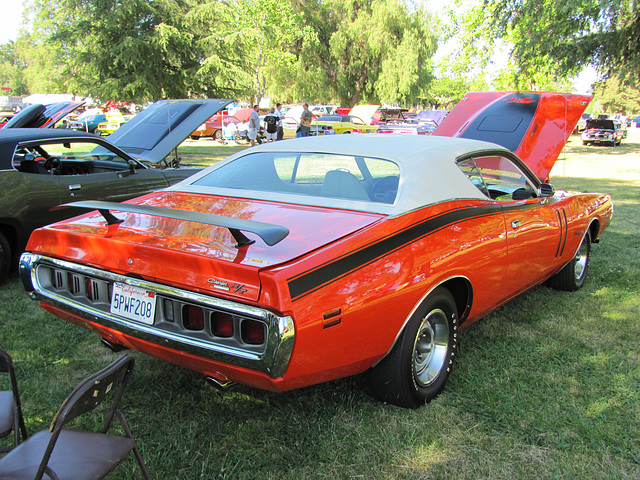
x,y
43,168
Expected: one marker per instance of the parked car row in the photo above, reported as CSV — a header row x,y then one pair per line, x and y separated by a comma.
x,y
327,120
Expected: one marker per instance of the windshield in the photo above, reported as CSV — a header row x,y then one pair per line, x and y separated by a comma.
x,y
309,174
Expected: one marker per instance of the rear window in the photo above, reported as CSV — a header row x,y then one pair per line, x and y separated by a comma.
x,y
310,174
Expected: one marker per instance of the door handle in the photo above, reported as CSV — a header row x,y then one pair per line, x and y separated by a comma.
x,y
75,187
515,224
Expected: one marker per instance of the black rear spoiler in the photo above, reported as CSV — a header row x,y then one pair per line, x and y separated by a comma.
x,y
271,234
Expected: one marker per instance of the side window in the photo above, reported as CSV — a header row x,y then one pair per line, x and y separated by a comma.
x,y
67,158
503,179
470,169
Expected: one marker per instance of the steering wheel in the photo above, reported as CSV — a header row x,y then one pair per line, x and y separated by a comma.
x,y
384,189
53,165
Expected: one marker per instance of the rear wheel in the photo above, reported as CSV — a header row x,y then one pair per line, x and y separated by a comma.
x,y
217,135
417,368
574,273
5,258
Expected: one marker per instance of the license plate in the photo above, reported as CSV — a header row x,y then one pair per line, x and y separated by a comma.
x,y
134,303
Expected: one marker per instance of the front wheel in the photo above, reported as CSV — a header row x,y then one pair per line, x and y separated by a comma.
x,y
417,368
5,258
574,273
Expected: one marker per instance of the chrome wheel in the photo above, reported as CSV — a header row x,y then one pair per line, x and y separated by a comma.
x,y
581,259
431,348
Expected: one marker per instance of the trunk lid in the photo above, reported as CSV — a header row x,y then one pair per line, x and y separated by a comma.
x,y
194,255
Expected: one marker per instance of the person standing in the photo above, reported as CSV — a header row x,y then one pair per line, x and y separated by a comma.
x,y
305,121
254,125
278,113
271,125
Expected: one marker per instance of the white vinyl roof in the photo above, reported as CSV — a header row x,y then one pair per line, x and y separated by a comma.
x,y
428,171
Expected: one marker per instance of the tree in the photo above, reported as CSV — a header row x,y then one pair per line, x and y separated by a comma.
x,y
614,97
570,34
259,36
12,71
365,51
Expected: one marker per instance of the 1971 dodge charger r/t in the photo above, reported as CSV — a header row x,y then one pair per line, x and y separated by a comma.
x,y
299,262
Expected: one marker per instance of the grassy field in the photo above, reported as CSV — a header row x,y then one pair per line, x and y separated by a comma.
x,y
548,386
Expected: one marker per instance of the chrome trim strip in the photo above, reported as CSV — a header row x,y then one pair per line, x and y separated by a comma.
x,y
280,330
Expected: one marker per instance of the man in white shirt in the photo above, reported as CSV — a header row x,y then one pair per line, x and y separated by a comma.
x,y
254,125
278,113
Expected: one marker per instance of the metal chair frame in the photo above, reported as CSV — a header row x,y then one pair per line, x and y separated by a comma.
x,y
59,447
18,427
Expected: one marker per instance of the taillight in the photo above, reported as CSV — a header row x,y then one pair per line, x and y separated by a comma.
x,y
253,332
192,317
221,324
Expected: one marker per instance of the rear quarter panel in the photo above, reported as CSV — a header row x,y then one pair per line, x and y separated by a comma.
x,y
351,299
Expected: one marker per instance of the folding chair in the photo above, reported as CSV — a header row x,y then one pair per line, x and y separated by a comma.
x,y
11,419
63,453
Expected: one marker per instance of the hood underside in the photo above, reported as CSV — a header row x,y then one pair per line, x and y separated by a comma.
x,y
158,129
533,125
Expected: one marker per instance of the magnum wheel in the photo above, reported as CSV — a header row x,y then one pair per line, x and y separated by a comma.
x,y
5,258
574,273
417,368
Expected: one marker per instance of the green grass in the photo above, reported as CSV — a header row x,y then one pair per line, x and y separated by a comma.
x,y
548,386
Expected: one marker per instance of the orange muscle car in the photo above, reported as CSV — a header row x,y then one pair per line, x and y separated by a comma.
x,y
294,263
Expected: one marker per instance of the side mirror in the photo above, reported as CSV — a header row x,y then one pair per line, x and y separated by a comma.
x,y
547,190
132,166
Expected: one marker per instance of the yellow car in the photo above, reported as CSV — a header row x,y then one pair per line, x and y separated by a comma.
x,y
329,124
358,120
114,120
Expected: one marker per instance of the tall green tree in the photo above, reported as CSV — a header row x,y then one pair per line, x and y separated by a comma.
x,y
133,50
258,37
365,51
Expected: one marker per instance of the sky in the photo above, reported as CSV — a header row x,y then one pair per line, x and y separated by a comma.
x,y
13,17
12,14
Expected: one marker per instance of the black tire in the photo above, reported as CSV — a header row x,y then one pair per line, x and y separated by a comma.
x,y
217,135
585,143
574,273
418,366
5,258
194,137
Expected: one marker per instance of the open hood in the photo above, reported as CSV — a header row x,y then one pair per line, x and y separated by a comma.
x,y
42,116
533,125
158,129
364,112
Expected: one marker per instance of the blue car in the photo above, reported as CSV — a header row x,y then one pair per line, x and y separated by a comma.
x,y
87,122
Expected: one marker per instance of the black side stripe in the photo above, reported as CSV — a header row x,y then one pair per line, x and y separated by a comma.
x,y
312,280
566,231
561,225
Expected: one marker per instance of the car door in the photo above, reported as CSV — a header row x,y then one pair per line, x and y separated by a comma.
x,y
27,200
86,170
534,229
113,180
